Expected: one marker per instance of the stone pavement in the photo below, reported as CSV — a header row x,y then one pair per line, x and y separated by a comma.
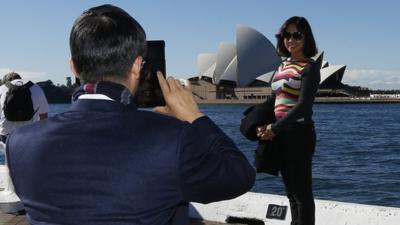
x,y
8,219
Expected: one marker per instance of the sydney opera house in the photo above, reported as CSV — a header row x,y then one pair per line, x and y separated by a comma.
x,y
244,70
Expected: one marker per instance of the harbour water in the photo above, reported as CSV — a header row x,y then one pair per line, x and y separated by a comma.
x,y
357,157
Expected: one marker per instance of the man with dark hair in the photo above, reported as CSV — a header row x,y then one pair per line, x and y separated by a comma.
x,y
106,162
10,77
19,109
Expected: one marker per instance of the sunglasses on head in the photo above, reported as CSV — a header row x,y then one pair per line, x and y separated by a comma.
x,y
295,35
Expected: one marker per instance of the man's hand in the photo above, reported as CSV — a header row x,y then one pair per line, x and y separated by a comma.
x,y
179,100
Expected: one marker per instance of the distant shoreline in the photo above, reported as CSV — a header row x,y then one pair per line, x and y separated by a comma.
x,y
319,100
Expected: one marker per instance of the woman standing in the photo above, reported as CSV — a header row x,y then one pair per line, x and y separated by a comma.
x,y
294,86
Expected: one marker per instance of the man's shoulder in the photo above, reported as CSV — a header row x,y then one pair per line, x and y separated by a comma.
x,y
35,89
24,134
74,120
159,119
130,118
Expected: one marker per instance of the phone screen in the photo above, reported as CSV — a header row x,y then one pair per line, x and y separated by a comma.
x,y
149,92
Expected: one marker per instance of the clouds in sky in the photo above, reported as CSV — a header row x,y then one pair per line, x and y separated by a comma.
x,y
373,79
26,75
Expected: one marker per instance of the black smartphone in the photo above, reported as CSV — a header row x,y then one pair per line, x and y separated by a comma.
x,y
149,92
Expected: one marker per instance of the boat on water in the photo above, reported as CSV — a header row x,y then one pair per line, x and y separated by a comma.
x,y
250,208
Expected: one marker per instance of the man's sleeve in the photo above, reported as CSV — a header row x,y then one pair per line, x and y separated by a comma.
x,y
41,100
211,167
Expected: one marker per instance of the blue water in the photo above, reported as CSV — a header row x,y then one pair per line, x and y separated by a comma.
x,y
357,157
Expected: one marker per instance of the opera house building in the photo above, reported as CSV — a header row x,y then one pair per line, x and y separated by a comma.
x,y
243,70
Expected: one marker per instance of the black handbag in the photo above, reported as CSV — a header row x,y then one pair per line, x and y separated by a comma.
x,y
267,158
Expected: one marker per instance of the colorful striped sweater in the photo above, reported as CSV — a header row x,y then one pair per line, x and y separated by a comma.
x,y
286,86
294,86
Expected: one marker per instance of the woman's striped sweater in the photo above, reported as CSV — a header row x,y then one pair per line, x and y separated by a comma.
x,y
286,86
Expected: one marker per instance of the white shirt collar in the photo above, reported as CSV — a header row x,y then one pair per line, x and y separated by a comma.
x,y
95,96
18,82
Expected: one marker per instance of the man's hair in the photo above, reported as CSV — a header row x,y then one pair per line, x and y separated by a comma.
x,y
310,48
10,77
105,41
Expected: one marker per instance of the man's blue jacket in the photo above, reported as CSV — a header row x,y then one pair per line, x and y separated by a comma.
x,y
103,162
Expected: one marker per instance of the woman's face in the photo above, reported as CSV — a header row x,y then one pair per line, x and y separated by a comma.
x,y
293,40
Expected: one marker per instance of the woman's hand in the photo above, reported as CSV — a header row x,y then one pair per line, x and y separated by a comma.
x,y
265,132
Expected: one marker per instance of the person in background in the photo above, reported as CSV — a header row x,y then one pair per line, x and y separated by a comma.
x,y
294,86
27,105
106,162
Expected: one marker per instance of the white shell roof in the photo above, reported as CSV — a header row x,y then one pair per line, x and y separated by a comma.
x,y
318,55
210,71
256,55
204,62
266,77
330,70
319,58
230,72
324,64
226,52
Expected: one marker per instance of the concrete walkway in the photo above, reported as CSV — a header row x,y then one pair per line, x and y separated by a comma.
x,y
8,219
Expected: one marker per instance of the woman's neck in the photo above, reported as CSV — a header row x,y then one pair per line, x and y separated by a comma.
x,y
298,58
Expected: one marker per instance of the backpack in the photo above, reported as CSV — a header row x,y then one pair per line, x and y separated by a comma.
x,y
18,105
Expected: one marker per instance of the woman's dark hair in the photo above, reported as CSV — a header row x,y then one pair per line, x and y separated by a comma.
x,y
310,48
105,41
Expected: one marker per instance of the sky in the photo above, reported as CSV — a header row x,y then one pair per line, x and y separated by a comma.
x,y
363,36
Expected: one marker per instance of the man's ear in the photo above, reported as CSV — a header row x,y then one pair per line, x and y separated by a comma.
x,y
136,67
72,68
